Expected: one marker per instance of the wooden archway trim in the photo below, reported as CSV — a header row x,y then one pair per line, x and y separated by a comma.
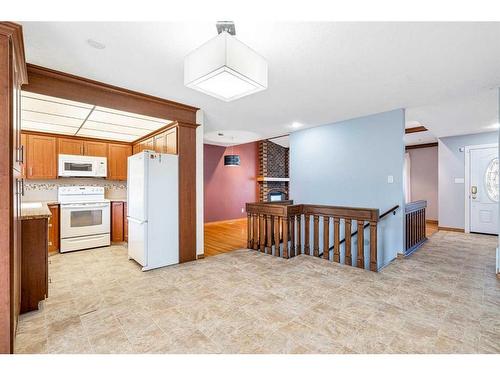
x,y
68,86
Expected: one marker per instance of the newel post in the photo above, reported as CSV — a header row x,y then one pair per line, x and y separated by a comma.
x,y
249,231
285,236
373,246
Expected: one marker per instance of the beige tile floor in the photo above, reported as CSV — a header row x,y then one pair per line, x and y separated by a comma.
x,y
445,298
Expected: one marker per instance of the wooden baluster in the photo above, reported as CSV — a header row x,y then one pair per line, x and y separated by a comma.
x,y
373,246
249,231
292,236
277,236
255,231
316,235
284,224
269,234
336,239
326,237
298,249
361,245
262,233
347,236
306,234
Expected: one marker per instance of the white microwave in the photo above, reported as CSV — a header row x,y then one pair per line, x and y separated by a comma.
x,y
82,166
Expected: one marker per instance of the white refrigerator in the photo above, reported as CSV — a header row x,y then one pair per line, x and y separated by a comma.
x,y
153,209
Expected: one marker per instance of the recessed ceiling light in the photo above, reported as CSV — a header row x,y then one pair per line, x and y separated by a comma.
x,y
95,44
296,125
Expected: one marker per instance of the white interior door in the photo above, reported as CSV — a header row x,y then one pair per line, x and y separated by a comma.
x,y
483,190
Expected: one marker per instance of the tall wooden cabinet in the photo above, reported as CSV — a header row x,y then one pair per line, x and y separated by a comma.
x,y
12,75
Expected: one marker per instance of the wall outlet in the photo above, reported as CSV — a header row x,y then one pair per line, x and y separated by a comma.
x,y
390,179
242,210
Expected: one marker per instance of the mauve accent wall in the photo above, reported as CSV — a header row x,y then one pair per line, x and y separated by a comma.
x,y
227,189
424,178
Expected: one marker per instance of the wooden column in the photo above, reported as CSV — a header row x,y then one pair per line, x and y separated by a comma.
x,y
361,245
277,236
373,246
307,236
292,236
316,235
285,236
347,236
255,231
249,231
269,234
298,249
326,237
262,233
186,141
336,239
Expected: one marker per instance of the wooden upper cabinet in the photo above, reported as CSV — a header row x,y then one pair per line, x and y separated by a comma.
x,y
148,144
171,139
166,142
137,148
70,146
117,161
92,148
41,157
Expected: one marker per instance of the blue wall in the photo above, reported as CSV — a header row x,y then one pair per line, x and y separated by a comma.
x,y
451,165
347,164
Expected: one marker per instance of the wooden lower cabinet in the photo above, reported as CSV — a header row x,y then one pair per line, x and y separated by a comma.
x,y
34,264
54,229
117,222
125,222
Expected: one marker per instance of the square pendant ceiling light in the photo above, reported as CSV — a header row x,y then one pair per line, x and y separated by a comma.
x,y
225,68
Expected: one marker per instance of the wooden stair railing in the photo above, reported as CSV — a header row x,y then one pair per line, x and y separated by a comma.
x,y
415,225
277,227
348,229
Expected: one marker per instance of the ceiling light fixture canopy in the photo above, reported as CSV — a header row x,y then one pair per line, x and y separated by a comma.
x,y
224,67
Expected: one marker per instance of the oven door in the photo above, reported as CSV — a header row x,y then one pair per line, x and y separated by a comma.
x,y
84,219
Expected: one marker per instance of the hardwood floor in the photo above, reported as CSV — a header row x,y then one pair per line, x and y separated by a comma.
x,y
430,228
224,236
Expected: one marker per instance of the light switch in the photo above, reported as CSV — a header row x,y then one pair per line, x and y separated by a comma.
x,y
390,179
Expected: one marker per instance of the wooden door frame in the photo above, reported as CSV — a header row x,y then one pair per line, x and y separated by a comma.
x,y
12,34
51,82
467,150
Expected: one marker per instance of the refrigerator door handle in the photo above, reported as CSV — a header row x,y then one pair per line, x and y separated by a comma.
x,y
136,220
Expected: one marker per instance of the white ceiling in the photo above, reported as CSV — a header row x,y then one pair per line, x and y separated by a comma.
x,y
54,115
318,72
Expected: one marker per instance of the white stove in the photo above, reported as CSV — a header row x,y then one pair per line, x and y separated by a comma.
x,y
85,218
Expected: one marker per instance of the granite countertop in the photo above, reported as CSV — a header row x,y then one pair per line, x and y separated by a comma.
x,y
34,210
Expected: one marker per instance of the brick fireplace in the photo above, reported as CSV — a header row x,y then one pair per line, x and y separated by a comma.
x,y
273,171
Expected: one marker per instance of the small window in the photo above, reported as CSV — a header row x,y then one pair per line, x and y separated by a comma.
x,y
491,180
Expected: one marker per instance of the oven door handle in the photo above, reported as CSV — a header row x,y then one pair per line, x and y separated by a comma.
x,y
85,206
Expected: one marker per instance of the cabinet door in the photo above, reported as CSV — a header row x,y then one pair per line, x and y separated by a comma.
x,y
171,140
54,229
117,221
148,144
137,148
92,148
41,157
70,146
160,143
117,161
125,222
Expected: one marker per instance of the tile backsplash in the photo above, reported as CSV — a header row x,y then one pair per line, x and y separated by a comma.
x,y
46,190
